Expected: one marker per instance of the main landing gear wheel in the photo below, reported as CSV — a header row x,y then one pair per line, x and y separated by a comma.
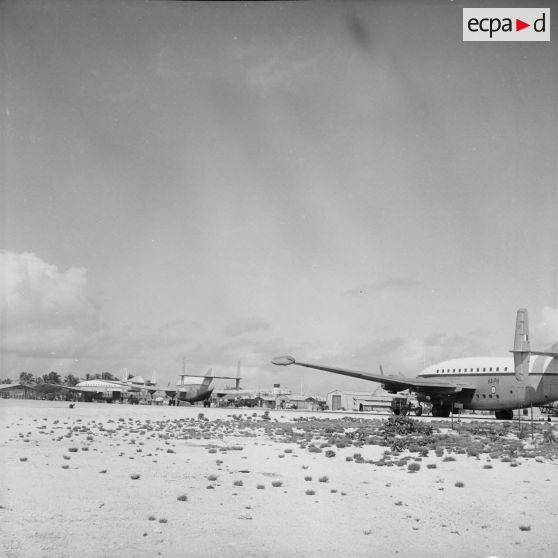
x,y
504,415
438,411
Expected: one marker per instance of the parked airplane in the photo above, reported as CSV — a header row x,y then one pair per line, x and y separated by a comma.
x,y
194,389
477,383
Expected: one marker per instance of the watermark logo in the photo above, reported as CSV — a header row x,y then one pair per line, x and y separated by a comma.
x,y
506,24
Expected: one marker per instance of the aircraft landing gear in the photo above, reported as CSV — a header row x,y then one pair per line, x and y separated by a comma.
x,y
504,415
439,411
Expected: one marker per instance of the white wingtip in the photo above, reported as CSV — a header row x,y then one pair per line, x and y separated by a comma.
x,y
283,360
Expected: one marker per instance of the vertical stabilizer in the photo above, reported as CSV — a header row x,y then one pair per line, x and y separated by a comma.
x,y
237,381
208,378
154,377
521,345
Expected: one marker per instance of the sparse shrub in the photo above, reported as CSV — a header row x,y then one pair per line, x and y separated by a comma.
x,y
348,458
448,458
23,458
525,527
413,467
277,483
260,486
152,518
310,492
73,450
163,520
487,466
367,532
323,479
103,471
238,483
135,476
308,478
182,498
399,503
459,484
431,466
65,466
212,478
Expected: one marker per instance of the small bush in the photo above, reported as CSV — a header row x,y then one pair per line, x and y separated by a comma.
x,y
448,458
525,527
135,476
73,450
277,484
487,466
152,518
431,466
413,467
459,484
212,478
310,492
330,453
238,483
260,486
323,479
182,498
308,478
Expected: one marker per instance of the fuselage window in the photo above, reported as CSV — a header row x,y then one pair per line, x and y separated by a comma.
x,y
454,369
506,369
484,369
484,395
478,369
497,369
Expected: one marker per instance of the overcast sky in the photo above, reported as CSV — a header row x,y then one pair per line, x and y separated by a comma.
x,y
346,182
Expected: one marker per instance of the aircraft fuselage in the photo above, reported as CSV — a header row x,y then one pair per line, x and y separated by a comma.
x,y
496,386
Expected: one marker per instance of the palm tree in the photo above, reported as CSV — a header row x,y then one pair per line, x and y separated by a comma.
x,y
26,378
71,380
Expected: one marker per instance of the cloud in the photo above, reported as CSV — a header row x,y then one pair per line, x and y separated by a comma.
x,y
395,284
547,327
247,325
44,311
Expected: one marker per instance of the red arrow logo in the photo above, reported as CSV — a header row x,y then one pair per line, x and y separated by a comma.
x,y
519,25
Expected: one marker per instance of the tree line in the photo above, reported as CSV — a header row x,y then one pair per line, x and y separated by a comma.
x,y
52,377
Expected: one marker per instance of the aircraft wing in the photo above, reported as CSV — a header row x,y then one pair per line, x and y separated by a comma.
x,y
390,383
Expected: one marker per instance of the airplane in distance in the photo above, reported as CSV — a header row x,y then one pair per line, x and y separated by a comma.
x,y
499,384
198,388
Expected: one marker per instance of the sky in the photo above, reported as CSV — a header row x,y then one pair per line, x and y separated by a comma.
x,y
203,183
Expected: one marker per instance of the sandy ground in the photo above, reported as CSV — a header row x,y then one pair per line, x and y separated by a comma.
x,y
56,502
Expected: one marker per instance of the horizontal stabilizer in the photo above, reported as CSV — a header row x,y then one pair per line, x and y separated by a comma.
x,y
545,353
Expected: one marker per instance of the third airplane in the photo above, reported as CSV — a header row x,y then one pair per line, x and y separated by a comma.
x,y
500,384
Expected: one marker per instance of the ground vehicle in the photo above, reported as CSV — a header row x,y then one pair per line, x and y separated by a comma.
x,y
404,406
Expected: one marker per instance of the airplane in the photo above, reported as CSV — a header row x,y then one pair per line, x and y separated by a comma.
x,y
499,384
194,390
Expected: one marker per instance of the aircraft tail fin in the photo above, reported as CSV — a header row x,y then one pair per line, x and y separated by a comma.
x,y
237,380
124,377
521,345
208,378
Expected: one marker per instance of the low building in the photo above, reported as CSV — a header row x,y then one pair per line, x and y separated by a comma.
x,y
378,400
301,402
17,391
